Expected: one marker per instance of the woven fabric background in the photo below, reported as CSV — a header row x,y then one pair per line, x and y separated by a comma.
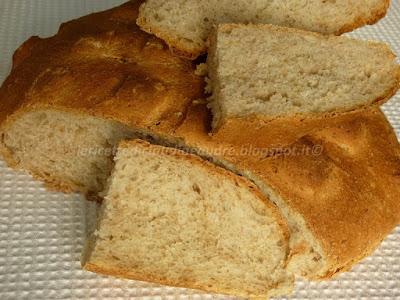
x,y
42,233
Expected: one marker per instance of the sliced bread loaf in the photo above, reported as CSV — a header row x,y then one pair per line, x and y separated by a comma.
x,y
70,99
185,25
272,71
170,217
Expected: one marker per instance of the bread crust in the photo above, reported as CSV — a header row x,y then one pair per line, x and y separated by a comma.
x,y
183,49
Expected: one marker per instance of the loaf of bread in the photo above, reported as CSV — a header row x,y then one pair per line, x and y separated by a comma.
x,y
185,25
69,100
273,71
172,218
110,77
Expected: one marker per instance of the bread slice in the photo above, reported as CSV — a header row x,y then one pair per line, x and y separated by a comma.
x,y
272,71
70,98
170,217
185,25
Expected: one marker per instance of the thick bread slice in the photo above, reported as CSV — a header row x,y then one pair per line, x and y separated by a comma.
x,y
273,71
170,217
185,25
101,65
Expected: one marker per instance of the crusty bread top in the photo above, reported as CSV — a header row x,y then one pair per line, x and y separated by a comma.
x,y
342,175
104,65
185,25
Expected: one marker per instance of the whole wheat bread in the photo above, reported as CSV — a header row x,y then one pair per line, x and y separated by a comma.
x,y
272,71
172,218
185,25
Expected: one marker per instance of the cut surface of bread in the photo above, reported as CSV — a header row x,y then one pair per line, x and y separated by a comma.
x,y
272,71
65,149
71,98
172,218
186,25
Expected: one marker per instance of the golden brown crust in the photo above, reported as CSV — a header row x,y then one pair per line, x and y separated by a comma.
x,y
103,65
100,65
180,48
342,177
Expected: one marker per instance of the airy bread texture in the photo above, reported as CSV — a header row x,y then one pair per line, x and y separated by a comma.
x,y
272,71
71,98
186,25
172,218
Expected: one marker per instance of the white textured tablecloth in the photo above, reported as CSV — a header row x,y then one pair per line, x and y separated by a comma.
x,y
42,233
